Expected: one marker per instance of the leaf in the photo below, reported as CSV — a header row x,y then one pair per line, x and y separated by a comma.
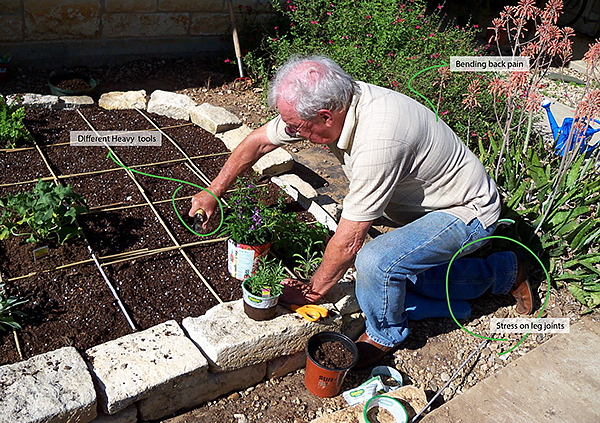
x,y
578,293
582,233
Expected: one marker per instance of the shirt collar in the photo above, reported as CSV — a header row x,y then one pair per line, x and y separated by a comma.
x,y
345,140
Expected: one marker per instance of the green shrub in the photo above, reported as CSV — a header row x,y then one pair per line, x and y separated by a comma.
x,y
379,42
12,130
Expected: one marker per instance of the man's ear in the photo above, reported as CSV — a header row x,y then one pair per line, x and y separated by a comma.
x,y
326,116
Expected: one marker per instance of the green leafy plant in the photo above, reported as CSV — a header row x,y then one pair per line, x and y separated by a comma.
x,y
8,307
292,237
12,128
307,263
267,280
47,212
566,238
6,58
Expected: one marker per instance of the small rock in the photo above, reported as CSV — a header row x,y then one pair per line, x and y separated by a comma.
x,y
445,377
240,418
234,396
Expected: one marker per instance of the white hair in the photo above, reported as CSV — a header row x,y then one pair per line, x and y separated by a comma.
x,y
310,84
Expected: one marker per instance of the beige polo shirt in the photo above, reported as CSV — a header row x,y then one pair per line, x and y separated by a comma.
x,y
402,163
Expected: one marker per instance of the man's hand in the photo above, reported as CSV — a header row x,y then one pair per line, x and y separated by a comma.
x,y
203,200
297,292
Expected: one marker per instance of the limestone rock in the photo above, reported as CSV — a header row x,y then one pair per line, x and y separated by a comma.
x,y
75,102
231,340
173,105
274,163
123,100
189,392
129,415
139,365
299,184
214,119
35,100
281,366
342,295
50,387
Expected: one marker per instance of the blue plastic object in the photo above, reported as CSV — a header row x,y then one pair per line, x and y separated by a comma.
x,y
561,134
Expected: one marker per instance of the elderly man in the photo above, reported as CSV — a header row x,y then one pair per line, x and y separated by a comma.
x,y
402,164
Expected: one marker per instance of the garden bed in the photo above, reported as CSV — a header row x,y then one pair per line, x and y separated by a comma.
x,y
72,305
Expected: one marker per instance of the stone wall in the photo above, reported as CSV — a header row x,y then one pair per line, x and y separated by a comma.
x,y
78,32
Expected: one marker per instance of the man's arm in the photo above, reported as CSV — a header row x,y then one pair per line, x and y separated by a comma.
x,y
338,257
252,148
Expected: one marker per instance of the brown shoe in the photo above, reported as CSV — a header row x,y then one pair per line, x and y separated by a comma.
x,y
370,352
521,290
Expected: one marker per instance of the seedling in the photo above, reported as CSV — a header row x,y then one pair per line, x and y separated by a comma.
x,y
267,280
7,310
49,211
12,128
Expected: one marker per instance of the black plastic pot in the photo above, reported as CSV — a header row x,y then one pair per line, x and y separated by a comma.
x,y
56,78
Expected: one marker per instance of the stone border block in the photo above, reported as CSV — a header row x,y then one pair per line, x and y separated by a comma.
x,y
129,415
35,100
75,102
281,366
214,119
189,393
274,163
303,188
173,105
123,100
50,387
231,340
142,364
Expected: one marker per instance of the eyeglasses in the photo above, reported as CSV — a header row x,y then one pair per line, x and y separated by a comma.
x,y
292,130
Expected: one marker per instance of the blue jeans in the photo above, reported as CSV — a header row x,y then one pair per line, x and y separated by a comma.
x,y
401,275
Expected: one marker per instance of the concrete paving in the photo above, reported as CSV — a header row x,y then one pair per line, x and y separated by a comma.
x,y
557,382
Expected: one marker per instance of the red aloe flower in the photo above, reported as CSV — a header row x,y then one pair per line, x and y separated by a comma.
x,y
552,11
592,56
473,90
497,86
526,9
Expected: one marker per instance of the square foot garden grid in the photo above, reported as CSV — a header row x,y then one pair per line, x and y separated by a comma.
x,y
159,269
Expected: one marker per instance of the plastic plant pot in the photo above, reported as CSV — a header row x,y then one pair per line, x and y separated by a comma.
x,y
56,78
323,381
259,308
242,259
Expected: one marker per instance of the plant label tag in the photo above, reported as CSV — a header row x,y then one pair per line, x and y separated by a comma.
x,y
41,253
266,292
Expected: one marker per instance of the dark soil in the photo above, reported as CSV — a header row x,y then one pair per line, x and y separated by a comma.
x,y
333,355
75,84
73,305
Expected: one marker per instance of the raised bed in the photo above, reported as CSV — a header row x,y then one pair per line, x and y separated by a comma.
x,y
72,305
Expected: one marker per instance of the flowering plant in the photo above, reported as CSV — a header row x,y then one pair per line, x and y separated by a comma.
x,y
250,221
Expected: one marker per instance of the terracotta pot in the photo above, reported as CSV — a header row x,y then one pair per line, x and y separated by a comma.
x,y
242,259
322,381
259,308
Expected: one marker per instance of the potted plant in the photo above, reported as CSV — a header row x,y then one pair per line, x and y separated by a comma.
x,y
261,292
4,61
249,225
